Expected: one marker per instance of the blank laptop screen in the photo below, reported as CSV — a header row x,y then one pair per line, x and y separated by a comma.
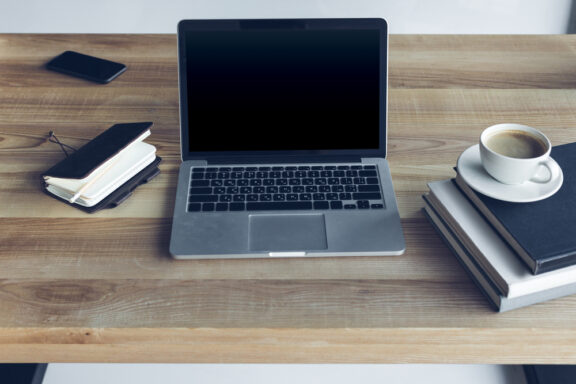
x,y
270,89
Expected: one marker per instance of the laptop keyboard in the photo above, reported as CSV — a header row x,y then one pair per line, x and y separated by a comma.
x,y
297,187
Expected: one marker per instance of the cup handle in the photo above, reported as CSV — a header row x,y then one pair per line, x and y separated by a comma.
x,y
553,172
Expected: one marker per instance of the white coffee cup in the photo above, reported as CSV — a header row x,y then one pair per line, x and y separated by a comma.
x,y
515,153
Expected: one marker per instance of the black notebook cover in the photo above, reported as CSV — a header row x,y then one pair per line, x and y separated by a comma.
x,y
93,154
546,229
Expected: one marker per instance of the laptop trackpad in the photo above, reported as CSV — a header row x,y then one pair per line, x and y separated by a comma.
x,y
287,232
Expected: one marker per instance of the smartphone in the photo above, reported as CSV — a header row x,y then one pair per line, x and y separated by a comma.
x,y
86,67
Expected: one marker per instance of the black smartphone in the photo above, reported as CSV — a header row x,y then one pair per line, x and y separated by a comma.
x,y
86,67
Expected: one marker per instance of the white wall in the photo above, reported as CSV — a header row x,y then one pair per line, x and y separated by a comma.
x,y
281,374
404,16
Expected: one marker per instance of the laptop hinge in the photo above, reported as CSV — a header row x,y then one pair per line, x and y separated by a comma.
x,y
283,159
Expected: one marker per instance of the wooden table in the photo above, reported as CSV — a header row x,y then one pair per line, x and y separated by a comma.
x,y
100,288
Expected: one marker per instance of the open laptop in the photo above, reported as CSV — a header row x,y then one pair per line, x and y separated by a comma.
x,y
283,140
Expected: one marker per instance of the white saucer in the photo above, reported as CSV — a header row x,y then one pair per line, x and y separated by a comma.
x,y
471,170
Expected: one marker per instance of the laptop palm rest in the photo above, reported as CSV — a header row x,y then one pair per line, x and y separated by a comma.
x,y
287,232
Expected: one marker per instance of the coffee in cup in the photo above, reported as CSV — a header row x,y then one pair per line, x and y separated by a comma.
x,y
517,144
515,153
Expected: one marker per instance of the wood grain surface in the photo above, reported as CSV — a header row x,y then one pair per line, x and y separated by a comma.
x,y
101,288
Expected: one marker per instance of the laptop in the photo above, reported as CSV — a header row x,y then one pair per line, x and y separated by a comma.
x,y
283,140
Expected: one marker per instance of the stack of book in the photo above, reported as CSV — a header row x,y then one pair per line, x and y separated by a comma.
x,y
105,171
517,253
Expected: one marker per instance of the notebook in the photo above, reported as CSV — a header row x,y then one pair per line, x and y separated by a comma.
x,y
88,176
283,132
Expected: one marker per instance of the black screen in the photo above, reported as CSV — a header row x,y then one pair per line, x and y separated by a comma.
x,y
251,90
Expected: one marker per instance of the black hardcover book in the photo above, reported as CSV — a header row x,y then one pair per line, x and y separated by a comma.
x,y
543,233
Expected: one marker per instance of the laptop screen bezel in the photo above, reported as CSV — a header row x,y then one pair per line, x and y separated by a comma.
x,y
311,24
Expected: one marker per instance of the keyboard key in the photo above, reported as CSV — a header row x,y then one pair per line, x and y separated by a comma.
x,y
239,198
279,197
377,206
367,196
372,180
222,207
252,197
336,205
345,196
197,176
349,206
321,205
369,173
194,207
203,198
208,207
201,191
318,196
225,198
369,188
237,206
363,204
200,183
273,206
294,181
292,197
